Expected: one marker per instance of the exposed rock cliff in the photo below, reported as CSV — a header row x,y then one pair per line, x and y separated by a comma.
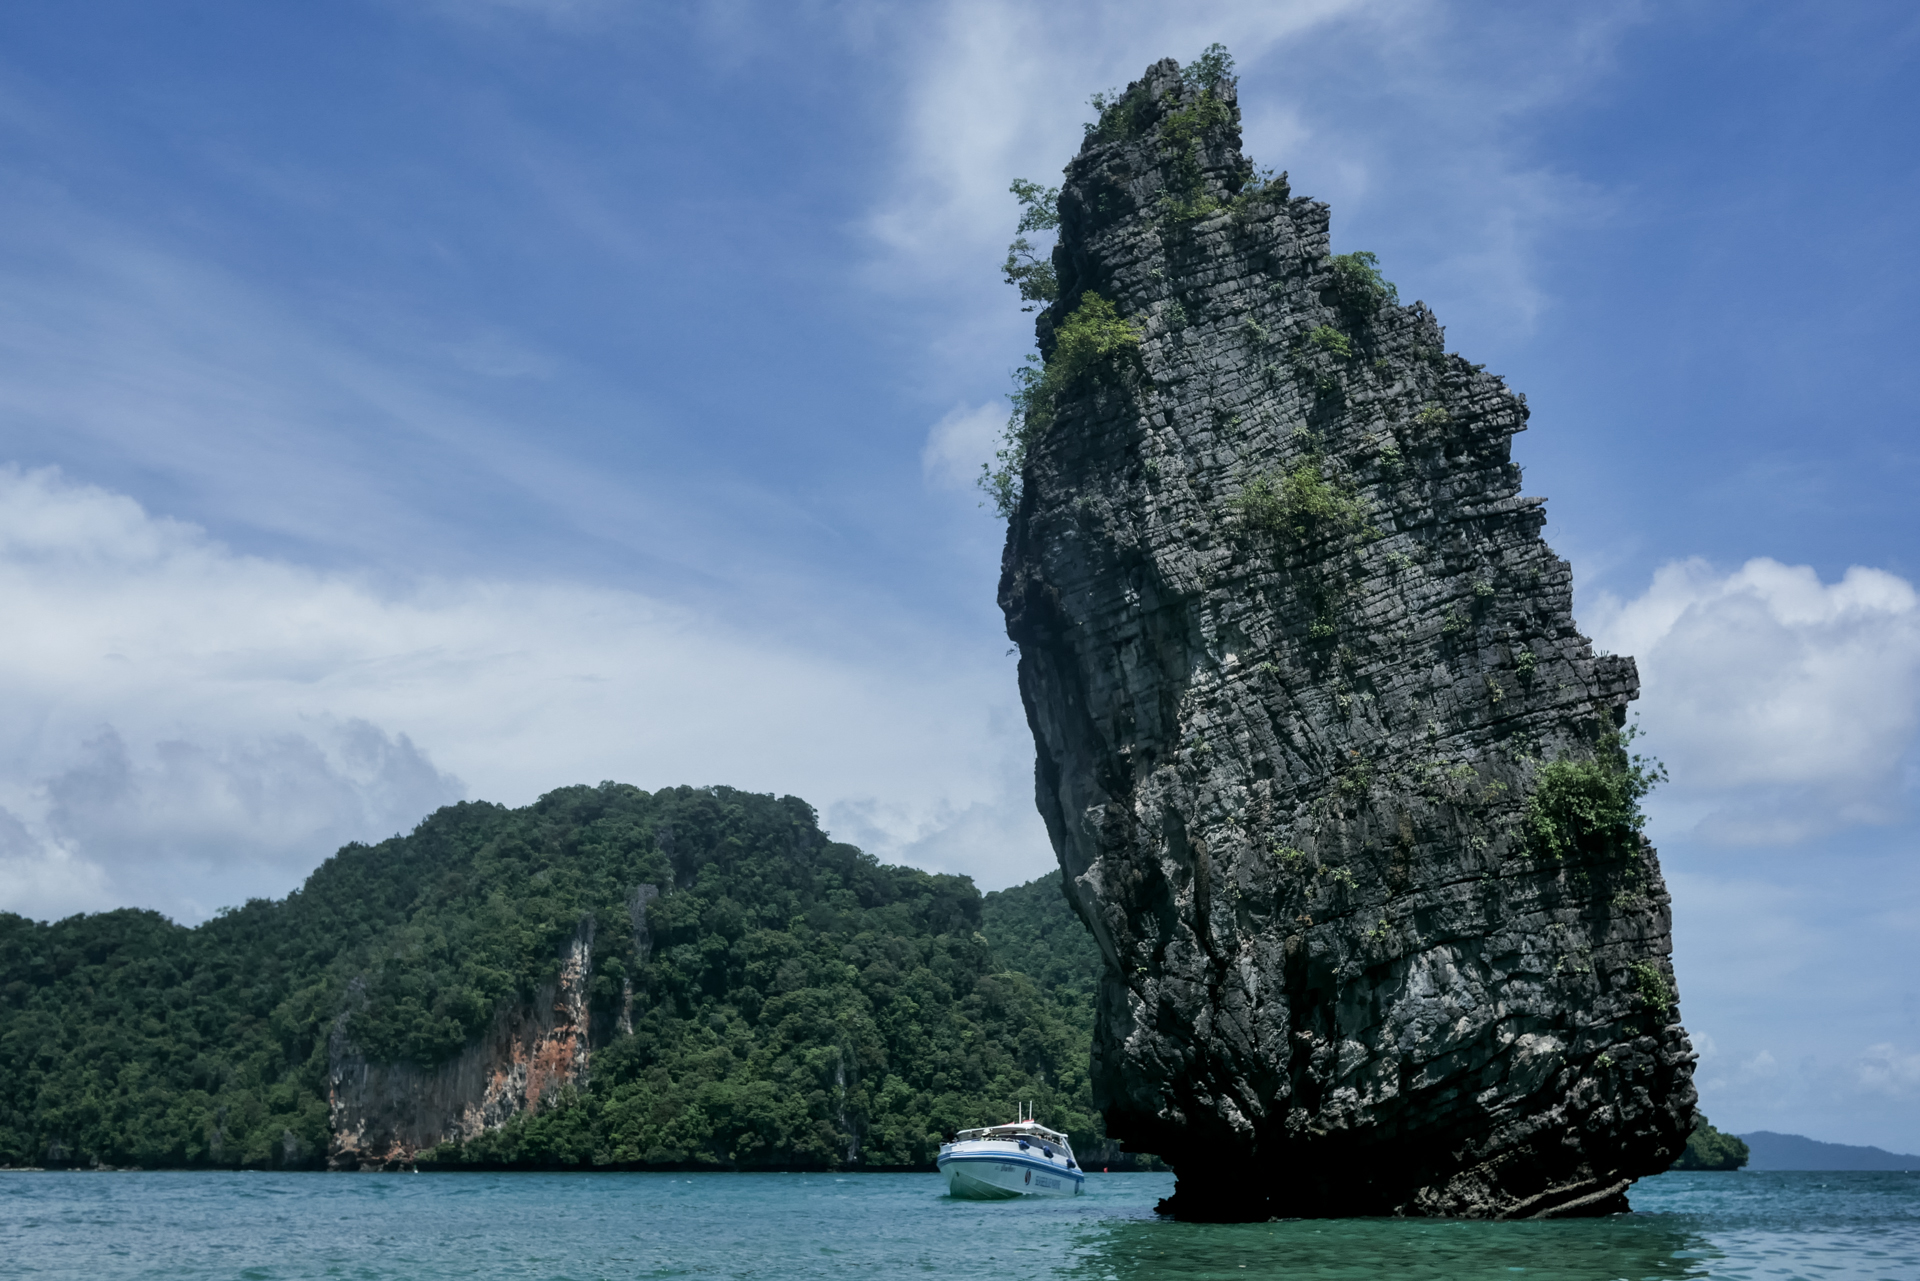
x,y
1334,780
383,1115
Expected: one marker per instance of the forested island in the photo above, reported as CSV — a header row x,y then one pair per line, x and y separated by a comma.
x,y
1709,1149
689,978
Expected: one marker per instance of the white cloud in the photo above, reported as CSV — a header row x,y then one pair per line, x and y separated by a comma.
x,y
1831,1092
362,423
41,882
999,90
238,817
1783,706
1411,117
189,726
960,444
1885,1069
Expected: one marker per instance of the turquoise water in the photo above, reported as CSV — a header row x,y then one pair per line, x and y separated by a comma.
x,y
103,1226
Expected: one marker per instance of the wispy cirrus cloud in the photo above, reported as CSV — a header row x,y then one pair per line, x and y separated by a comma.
x,y
961,443
1412,117
999,90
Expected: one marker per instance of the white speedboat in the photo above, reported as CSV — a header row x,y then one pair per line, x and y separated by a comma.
x,y
1004,1161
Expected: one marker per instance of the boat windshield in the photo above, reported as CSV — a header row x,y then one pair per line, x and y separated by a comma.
x,y
1031,1131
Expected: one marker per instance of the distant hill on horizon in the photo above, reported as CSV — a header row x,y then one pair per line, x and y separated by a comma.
x,y
1771,1151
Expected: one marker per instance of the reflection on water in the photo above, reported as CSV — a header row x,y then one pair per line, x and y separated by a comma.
x,y
1850,1225
1630,1246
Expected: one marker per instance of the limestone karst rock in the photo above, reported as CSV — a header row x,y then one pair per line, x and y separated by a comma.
x,y
1333,779
385,1116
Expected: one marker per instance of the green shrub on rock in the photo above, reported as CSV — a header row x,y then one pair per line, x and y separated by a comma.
x,y
1087,340
1357,279
1327,338
1207,78
1300,503
1592,807
1653,987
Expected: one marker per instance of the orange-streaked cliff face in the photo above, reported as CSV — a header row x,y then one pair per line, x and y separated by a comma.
x,y
383,1116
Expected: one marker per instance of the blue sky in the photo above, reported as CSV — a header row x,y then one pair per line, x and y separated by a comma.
x,y
409,401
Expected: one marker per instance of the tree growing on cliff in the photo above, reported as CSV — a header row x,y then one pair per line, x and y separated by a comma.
x,y
1094,332
1027,269
1593,806
1357,280
1086,342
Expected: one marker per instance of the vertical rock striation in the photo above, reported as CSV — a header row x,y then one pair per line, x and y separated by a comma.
x,y
1319,746
383,1116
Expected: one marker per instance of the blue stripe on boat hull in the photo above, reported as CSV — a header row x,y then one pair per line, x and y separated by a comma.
x,y
992,1175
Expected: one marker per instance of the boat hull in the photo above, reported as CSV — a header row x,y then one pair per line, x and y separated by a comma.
x,y
1002,1177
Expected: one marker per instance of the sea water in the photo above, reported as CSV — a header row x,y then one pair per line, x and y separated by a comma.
x,y
99,1226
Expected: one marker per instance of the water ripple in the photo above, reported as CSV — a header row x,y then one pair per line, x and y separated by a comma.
x,y
286,1227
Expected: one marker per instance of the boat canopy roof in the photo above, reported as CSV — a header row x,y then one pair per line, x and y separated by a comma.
x,y
1016,1130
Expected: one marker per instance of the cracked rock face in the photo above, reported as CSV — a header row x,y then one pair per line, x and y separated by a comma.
x,y
384,1116
1294,656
